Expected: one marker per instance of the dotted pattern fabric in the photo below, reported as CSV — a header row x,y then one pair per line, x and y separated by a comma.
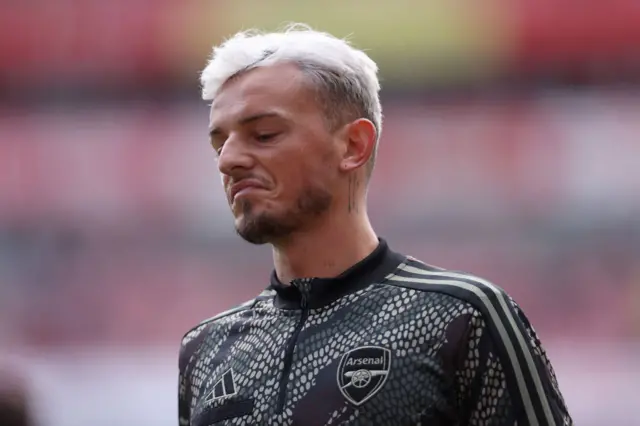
x,y
442,368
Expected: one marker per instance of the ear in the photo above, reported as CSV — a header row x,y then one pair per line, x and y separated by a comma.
x,y
360,137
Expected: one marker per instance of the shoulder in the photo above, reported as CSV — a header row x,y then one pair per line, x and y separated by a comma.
x,y
494,309
495,305
196,330
194,336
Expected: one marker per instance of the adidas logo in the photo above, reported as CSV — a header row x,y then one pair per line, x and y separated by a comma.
x,y
224,387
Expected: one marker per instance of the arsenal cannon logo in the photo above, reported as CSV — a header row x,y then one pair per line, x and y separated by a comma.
x,y
362,372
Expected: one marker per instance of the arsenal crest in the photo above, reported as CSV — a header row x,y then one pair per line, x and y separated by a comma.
x,y
362,372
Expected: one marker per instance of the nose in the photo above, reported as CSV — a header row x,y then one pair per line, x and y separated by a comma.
x,y
233,156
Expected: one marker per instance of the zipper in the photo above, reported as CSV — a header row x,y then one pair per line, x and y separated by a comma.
x,y
288,360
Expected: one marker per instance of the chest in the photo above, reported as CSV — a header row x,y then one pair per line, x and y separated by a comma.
x,y
333,366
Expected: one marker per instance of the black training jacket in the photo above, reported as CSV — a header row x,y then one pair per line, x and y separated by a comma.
x,y
392,341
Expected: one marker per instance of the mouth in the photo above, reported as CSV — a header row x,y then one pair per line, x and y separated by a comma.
x,y
243,187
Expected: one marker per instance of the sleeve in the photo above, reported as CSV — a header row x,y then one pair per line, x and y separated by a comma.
x,y
188,348
184,417
504,377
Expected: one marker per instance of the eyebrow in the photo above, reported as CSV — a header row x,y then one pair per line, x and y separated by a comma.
x,y
247,120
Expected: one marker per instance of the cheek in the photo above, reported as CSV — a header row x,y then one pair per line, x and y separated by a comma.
x,y
314,176
291,180
324,171
315,166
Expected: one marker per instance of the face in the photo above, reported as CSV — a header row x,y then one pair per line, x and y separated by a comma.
x,y
277,157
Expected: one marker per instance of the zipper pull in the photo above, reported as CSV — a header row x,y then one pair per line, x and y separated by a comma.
x,y
304,287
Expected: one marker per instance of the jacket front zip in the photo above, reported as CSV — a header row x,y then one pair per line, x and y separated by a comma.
x,y
288,360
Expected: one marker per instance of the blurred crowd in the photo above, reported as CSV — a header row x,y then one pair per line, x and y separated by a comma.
x,y
129,239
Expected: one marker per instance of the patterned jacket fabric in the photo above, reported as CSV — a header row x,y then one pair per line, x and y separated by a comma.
x,y
392,341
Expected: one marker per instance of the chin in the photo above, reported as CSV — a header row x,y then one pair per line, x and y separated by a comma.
x,y
261,228
254,239
252,232
251,208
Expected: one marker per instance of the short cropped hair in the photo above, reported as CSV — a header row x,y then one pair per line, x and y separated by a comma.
x,y
345,79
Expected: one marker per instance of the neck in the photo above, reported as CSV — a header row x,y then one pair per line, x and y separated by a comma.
x,y
328,249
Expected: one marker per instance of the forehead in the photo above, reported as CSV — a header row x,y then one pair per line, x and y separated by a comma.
x,y
276,89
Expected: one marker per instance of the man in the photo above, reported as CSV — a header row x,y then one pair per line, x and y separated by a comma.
x,y
348,331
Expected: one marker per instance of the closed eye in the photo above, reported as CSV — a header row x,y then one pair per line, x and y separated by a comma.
x,y
266,137
217,148
217,140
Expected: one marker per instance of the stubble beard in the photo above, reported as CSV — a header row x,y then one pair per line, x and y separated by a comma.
x,y
264,228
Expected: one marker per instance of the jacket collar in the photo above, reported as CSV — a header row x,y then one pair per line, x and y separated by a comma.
x,y
318,292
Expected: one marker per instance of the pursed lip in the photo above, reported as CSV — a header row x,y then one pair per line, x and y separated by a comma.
x,y
244,184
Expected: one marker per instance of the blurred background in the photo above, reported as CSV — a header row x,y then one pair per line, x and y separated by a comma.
x,y
511,149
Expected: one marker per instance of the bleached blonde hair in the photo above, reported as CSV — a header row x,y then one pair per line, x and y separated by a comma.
x,y
345,79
